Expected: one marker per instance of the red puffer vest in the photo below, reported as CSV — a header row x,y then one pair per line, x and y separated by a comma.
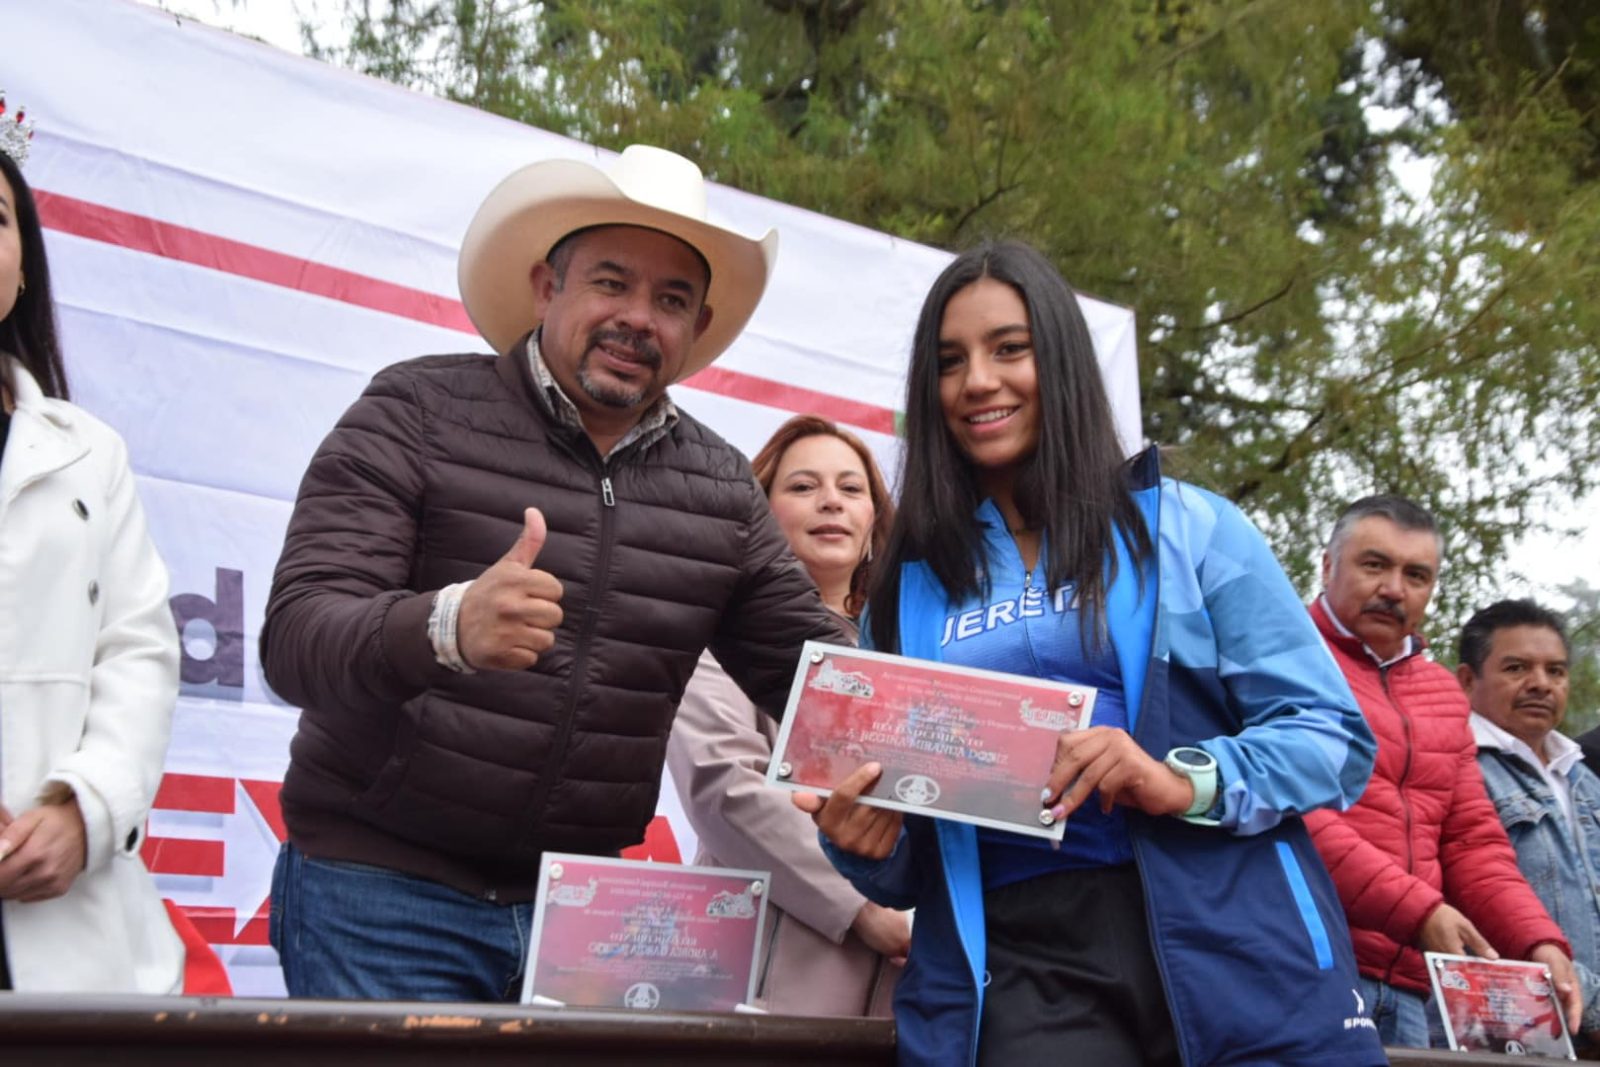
x,y
1424,819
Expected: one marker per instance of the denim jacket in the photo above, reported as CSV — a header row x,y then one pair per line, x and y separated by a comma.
x,y
1562,867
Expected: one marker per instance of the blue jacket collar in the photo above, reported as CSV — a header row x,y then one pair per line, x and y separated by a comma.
x,y
1131,599
1132,613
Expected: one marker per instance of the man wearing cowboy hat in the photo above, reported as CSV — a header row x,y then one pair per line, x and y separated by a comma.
x,y
498,578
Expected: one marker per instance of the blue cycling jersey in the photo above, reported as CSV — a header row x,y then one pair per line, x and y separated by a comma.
x,y
1019,628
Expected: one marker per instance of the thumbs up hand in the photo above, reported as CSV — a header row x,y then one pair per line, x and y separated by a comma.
x,y
510,612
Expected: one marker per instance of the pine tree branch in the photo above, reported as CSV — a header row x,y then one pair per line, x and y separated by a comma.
x,y
1247,11
1283,291
1295,450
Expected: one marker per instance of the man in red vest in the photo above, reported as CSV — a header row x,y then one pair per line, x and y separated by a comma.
x,y
1421,862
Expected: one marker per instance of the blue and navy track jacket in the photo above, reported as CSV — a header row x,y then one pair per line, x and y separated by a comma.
x,y
1216,650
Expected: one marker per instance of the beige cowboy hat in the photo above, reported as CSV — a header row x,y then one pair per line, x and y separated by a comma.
x,y
528,212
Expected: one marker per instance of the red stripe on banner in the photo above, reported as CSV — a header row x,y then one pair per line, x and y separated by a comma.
x,y
265,797
216,925
660,844
140,233
254,932
195,792
182,855
203,973
143,234
794,398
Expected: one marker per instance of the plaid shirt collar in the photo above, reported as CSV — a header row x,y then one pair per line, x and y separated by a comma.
x,y
651,427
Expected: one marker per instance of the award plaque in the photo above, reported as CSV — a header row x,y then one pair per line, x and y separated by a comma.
x,y
1505,1006
614,933
954,742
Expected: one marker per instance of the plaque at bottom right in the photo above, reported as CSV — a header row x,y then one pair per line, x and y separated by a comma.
x,y
1505,1006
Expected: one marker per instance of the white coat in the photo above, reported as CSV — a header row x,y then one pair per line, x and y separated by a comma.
x,y
88,679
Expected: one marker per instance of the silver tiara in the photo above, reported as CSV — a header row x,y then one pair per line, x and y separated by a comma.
x,y
14,132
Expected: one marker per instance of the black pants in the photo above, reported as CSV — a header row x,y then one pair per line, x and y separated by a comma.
x,y
1073,979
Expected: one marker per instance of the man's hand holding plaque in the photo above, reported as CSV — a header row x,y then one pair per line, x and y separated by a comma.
x,y
1504,1006
856,828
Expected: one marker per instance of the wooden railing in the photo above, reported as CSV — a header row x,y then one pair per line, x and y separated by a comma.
x,y
66,1031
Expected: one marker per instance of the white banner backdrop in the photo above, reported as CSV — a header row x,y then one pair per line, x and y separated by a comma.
x,y
240,238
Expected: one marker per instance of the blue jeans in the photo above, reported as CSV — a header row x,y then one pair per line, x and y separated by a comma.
x,y
1401,1016
348,931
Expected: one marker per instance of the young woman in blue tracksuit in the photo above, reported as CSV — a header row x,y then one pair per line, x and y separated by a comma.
x,y
1185,917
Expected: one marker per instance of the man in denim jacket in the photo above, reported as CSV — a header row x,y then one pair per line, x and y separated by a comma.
x,y
1513,665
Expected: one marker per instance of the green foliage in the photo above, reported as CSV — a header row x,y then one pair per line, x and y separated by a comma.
x,y
1583,634
1360,236
1485,56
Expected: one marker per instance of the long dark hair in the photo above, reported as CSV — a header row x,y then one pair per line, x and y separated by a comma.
x,y
1074,485
29,332
798,429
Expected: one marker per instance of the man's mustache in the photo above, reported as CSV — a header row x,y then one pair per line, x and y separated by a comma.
x,y
639,347
1384,606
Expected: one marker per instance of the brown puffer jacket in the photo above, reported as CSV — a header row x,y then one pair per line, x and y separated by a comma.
x,y
466,779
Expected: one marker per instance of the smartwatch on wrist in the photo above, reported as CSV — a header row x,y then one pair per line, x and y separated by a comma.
x,y
1197,765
